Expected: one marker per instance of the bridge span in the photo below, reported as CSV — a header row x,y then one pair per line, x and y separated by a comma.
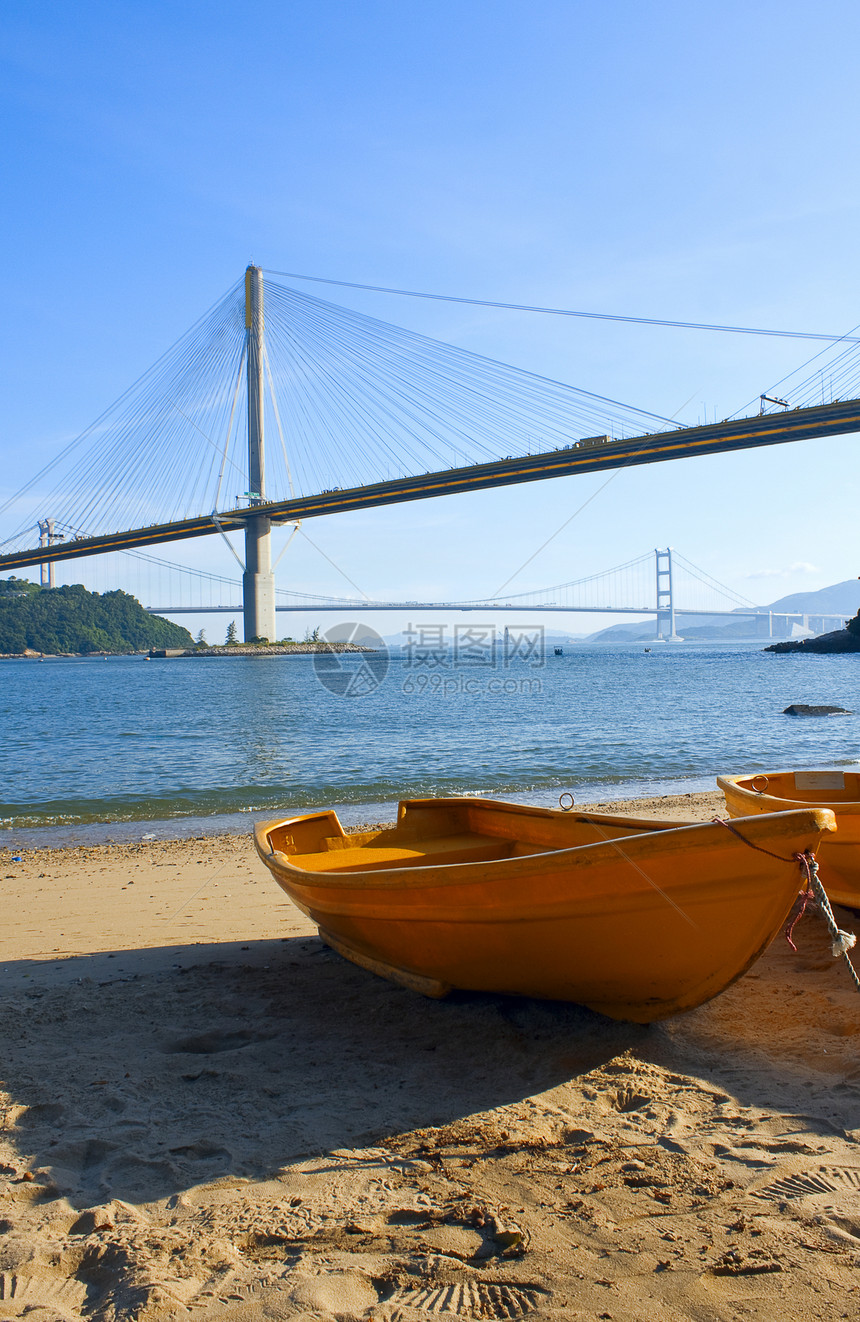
x,y
770,620
349,399
622,590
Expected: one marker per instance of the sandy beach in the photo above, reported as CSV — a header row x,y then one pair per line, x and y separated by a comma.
x,y
209,1114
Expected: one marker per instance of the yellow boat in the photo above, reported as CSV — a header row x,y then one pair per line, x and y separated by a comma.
x,y
637,919
778,791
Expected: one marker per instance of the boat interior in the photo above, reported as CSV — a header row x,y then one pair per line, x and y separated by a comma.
x,y
804,786
446,831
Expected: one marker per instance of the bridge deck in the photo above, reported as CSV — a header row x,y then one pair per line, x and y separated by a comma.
x,y
746,433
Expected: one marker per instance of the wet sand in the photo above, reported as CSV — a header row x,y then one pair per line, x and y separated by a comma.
x,y
209,1114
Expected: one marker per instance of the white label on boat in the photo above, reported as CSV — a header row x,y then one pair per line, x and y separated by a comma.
x,y
819,780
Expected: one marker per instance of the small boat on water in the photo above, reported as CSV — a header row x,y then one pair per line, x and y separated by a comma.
x,y
637,919
778,791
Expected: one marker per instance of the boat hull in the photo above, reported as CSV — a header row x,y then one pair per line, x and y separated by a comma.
x,y
646,920
783,791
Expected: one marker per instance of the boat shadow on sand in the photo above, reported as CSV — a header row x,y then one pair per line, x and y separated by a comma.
x,y
139,1074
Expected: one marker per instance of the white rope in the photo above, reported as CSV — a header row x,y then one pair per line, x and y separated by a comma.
x,y
842,941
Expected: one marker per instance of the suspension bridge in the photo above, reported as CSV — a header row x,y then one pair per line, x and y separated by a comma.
x,y
662,584
311,409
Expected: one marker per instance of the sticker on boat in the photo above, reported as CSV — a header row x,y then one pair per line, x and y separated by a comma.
x,y
819,780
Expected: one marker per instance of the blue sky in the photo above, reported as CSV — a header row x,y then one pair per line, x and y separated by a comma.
x,y
659,159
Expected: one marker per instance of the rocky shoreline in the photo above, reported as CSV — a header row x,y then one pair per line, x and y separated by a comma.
x,y
841,640
259,649
256,649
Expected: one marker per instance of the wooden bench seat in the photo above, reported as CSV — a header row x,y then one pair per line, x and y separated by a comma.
x,y
466,848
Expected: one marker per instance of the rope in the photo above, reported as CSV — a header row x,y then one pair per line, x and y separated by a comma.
x,y
842,941
806,895
721,821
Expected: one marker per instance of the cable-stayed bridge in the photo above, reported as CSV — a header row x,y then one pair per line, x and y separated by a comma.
x,y
277,407
661,583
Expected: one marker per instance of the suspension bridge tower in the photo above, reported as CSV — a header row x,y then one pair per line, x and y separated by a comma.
x,y
665,597
258,581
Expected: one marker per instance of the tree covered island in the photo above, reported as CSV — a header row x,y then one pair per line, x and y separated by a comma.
x,y
71,620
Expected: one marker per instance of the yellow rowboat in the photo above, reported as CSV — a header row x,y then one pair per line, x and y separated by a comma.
x,y
637,919
778,791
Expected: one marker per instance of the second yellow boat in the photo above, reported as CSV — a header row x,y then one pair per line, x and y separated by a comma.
x,y
779,791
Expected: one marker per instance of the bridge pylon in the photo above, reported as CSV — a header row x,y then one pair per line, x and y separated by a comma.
x,y
665,597
258,581
47,537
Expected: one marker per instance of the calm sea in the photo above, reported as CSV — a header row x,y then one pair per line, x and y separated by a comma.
x,y
188,746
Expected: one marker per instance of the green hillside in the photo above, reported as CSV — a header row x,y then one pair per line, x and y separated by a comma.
x,y
70,619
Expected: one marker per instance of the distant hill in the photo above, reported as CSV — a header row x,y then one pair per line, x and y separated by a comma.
x,y
838,599
71,619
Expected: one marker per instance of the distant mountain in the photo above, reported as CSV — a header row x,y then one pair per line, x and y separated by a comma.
x,y
625,633
840,599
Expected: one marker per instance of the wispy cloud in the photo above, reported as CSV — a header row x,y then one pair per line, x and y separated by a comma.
x,y
799,567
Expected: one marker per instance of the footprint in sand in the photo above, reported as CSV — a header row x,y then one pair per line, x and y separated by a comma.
x,y
42,1113
486,1299
830,1193
209,1044
40,1296
201,1151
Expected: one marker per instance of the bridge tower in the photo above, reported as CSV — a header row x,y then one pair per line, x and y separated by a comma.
x,y
258,581
665,597
47,537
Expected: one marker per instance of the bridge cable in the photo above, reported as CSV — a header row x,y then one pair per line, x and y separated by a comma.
x,y
116,403
552,537
230,427
796,390
342,572
119,465
562,312
709,581
579,582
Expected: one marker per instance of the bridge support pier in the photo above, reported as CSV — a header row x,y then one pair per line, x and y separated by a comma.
x,y
258,581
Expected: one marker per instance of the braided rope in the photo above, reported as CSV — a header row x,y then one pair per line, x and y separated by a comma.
x,y
842,941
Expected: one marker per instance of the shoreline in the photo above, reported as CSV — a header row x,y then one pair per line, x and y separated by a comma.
x,y
209,650
69,904
208,1113
353,816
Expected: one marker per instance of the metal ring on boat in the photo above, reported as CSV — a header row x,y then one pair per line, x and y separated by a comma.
x,y
565,807
759,784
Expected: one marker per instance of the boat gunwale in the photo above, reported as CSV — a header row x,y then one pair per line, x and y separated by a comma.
x,y
440,874
761,796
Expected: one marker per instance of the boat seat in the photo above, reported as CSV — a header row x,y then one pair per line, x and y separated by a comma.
x,y
466,848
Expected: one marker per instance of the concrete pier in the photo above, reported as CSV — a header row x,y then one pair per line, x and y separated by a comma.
x,y
258,581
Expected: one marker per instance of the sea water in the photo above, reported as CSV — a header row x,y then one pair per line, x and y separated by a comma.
x,y
128,746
